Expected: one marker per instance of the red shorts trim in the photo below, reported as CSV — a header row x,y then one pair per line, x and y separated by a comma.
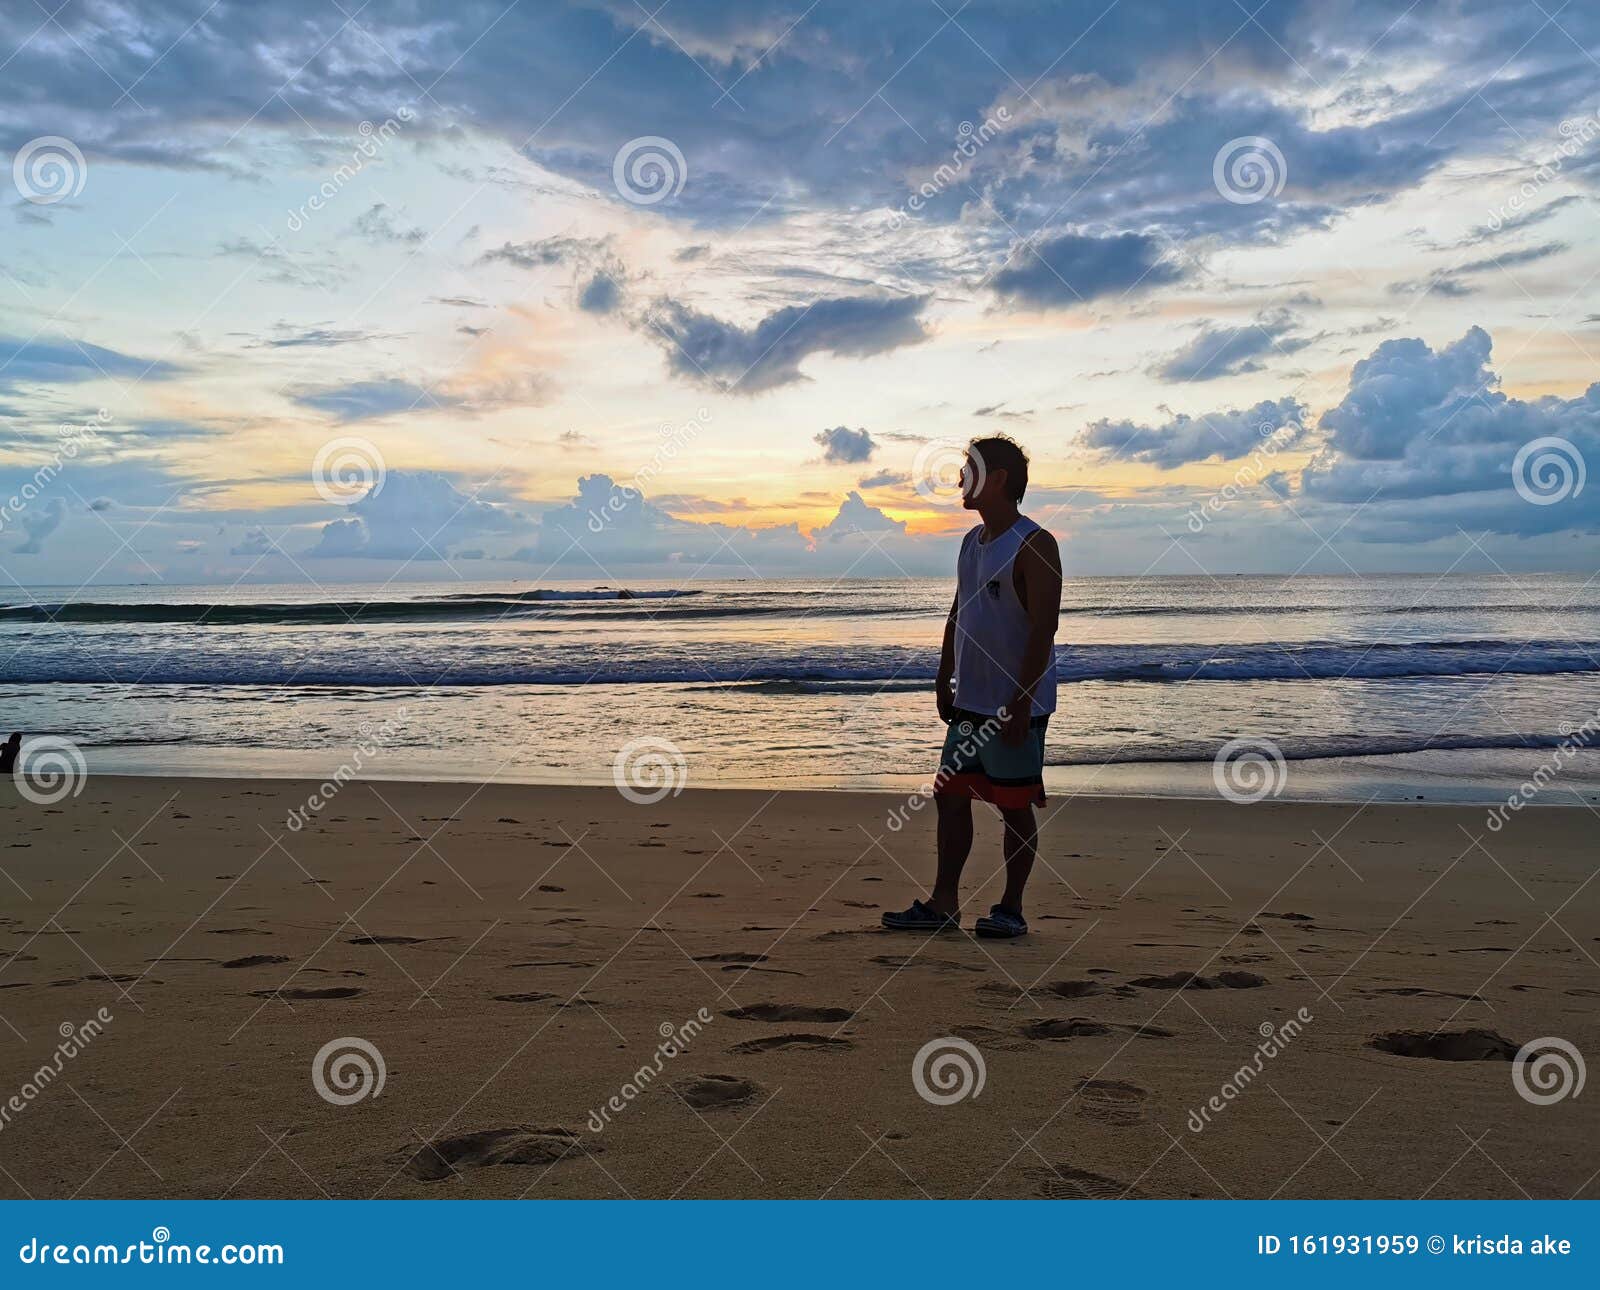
x,y
979,787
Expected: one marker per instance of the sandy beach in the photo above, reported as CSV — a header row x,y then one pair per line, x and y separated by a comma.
x,y
515,956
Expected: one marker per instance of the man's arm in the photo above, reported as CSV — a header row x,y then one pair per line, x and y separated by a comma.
x,y
1039,562
947,664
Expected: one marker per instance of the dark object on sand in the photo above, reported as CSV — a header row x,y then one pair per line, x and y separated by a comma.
x,y
8,753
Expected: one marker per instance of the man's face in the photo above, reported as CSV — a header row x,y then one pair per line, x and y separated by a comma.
x,y
977,484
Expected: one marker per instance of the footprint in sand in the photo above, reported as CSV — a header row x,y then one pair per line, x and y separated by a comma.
x,y
236,931
1194,981
528,996
730,956
917,961
989,1037
773,1043
1447,1046
256,960
1419,992
1111,1101
303,992
1065,1028
1062,1182
788,1012
713,1092
520,1145
1084,1028
393,940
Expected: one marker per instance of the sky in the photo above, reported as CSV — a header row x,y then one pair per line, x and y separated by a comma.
x,y
600,290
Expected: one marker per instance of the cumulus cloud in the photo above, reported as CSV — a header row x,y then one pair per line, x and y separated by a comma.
x,y
1224,436
855,517
844,445
1073,269
1420,423
38,523
747,360
414,515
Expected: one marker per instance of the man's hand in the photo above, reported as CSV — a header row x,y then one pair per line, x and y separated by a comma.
x,y
945,699
1014,722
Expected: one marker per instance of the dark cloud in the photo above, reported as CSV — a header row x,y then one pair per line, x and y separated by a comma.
x,y
883,479
1221,435
844,445
49,361
1216,351
747,360
1073,269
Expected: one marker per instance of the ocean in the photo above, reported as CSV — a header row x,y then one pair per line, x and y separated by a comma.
x,y
1451,688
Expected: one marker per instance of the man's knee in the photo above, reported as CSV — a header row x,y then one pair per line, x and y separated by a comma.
x,y
950,804
1018,819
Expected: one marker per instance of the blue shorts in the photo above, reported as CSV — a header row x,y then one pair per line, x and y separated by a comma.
x,y
976,762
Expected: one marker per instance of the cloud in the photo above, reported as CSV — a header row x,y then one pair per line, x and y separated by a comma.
x,y
1073,269
43,361
1419,423
254,543
365,400
843,445
1224,436
748,360
38,523
855,517
883,479
1216,352
1453,281
377,224
414,515
390,396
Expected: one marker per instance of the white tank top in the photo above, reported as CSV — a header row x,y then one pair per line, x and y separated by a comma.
x,y
992,625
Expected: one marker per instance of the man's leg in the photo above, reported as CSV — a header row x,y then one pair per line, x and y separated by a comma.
x,y
955,841
1021,845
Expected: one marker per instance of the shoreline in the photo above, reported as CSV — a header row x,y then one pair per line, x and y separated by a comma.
x,y
511,953
1330,780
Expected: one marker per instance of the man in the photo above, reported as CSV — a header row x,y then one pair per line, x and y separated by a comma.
x,y
999,651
